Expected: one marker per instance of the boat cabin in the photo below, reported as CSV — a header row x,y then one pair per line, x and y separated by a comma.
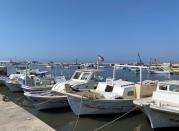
x,y
118,89
81,79
86,75
157,68
167,91
3,71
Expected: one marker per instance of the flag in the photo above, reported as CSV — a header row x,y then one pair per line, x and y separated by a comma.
x,y
100,58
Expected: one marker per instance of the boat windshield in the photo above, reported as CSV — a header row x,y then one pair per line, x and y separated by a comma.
x,y
163,87
174,88
158,69
98,77
77,75
85,76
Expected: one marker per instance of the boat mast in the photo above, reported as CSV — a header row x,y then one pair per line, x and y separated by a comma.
x,y
114,73
26,75
141,75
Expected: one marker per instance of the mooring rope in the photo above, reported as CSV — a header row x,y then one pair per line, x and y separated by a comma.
x,y
78,117
19,98
111,122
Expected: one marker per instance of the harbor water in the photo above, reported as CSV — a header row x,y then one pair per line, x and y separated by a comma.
x,y
64,119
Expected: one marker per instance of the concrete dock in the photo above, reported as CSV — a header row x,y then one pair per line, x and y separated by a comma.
x,y
15,118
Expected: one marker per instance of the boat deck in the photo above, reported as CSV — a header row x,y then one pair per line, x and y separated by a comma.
x,y
143,101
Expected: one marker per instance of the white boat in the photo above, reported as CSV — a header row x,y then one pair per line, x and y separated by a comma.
x,y
3,70
3,80
39,84
47,100
112,96
162,109
158,70
136,70
105,99
14,85
37,72
60,78
43,84
15,81
81,79
27,71
21,82
42,88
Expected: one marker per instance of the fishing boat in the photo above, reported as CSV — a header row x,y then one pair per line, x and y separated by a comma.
x,y
3,80
3,70
3,74
38,84
47,100
105,99
112,96
42,84
162,109
15,82
81,79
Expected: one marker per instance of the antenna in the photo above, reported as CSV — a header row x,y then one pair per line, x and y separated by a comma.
x,y
140,60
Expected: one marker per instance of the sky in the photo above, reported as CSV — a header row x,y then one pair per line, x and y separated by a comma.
x,y
83,29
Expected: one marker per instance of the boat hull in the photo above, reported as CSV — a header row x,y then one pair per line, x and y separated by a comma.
x,y
2,82
159,72
32,89
161,119
46,102
82,106
14,87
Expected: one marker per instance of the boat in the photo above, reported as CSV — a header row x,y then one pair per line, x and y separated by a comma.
x,y
112,96
105,99
3,80
28,71
162,109
15,82
175,68
22,69
158,70
60,78
42,84
3,70
81,79
39,84
136,70
37,72
47,100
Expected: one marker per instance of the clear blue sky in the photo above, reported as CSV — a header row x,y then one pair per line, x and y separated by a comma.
x,y
69,29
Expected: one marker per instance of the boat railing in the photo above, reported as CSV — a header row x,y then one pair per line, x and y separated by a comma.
x,y
130,66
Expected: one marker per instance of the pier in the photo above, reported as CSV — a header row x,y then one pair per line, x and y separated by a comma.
x,y
15,118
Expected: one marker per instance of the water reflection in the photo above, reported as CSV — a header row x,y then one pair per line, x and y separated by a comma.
x,y
133,122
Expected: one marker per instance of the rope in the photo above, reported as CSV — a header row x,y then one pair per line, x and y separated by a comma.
x,y
78,117
19,98
111,122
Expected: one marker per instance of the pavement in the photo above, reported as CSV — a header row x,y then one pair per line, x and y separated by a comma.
x,y
15,118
